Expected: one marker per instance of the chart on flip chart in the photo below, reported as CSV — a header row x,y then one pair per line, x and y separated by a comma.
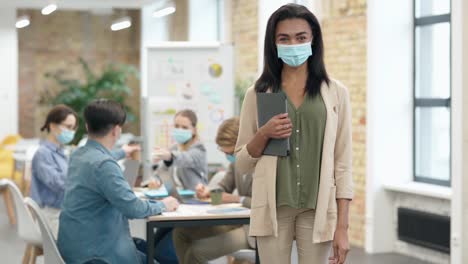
x,y
185,76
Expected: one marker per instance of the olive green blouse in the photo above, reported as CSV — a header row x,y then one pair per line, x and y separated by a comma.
x,y
298,175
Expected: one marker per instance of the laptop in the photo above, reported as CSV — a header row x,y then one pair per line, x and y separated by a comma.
x,y
130,172
171,188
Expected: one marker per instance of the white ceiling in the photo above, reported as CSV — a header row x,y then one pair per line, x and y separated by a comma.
x,y
77,4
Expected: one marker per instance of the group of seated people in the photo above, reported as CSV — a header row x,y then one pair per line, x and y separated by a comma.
x,y
88,201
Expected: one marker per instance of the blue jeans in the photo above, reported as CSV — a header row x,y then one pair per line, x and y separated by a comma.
x,y
164,247
141,250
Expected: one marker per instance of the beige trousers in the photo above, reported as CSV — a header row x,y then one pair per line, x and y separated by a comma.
x,y
293,224
52,216
199,245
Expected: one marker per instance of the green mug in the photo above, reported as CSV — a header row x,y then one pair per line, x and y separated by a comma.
x,y
216,196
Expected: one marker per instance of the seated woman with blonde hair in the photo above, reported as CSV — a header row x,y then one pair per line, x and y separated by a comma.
x,y
199,245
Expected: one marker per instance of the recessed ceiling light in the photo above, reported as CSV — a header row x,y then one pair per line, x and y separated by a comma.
x,y
121,23
164,11
49,9
22,21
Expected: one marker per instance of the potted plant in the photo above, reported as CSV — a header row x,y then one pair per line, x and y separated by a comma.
x,y
241,87
110,84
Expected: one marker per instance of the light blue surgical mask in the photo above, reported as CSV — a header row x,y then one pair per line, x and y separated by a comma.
x,y
231,158
182,136
66,136
294,55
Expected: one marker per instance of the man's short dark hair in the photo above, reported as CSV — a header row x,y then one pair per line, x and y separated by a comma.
x,y
102,115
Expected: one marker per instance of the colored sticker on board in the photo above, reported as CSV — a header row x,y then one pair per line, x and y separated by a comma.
x,y
187,92
206,89
215,98
172,90
215,70
216,115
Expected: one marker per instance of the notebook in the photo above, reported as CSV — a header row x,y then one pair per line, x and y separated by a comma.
x,y
183,196
269,105
162,193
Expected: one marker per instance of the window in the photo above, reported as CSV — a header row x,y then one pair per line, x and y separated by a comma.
x,y
205,20
432,91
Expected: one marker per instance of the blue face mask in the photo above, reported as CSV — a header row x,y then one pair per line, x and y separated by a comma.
x,y
231,158
66,136
182,136
294,55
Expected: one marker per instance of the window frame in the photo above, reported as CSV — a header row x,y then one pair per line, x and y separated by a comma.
x,y
419,102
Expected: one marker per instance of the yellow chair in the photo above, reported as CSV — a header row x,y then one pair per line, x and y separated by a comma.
x,y
10,140
7,161
7,171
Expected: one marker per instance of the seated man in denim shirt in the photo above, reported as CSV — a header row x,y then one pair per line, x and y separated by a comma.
x,y
98,199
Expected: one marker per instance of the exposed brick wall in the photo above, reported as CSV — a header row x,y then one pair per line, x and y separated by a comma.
x,y
55,42
178,22
345,36
245,37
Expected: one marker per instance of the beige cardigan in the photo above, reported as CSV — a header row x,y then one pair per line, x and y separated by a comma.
x,y
335,175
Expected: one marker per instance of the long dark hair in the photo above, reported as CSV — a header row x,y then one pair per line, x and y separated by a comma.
x,y
271,76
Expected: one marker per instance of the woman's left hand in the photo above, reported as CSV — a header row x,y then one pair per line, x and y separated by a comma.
x,y
161,154
230,198
340,246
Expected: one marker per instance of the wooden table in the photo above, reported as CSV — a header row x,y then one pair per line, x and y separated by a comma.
x,y
193,216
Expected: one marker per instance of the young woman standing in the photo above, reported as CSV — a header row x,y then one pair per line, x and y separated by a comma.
x,y
304,196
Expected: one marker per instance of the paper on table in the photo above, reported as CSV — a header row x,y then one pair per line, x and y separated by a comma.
x,y
190,210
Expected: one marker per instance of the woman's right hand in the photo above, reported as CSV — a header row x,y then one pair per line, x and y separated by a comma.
x,y
154,184
277,127
161,154
202,191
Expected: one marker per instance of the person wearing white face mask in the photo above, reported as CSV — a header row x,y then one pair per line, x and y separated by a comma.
x,y
201,244
304,196
186,162
50,164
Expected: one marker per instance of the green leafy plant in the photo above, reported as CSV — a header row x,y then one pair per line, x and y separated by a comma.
x,y
241,87
110,84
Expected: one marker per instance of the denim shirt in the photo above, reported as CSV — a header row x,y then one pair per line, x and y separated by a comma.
x,y
49,170
97,205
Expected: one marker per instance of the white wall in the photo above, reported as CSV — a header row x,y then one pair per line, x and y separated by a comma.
x,y
389,114
459,239
153,30
8,72
389,134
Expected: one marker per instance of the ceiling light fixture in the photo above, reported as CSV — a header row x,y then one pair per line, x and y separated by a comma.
x,y
49,9
22,21
164,11
121,23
